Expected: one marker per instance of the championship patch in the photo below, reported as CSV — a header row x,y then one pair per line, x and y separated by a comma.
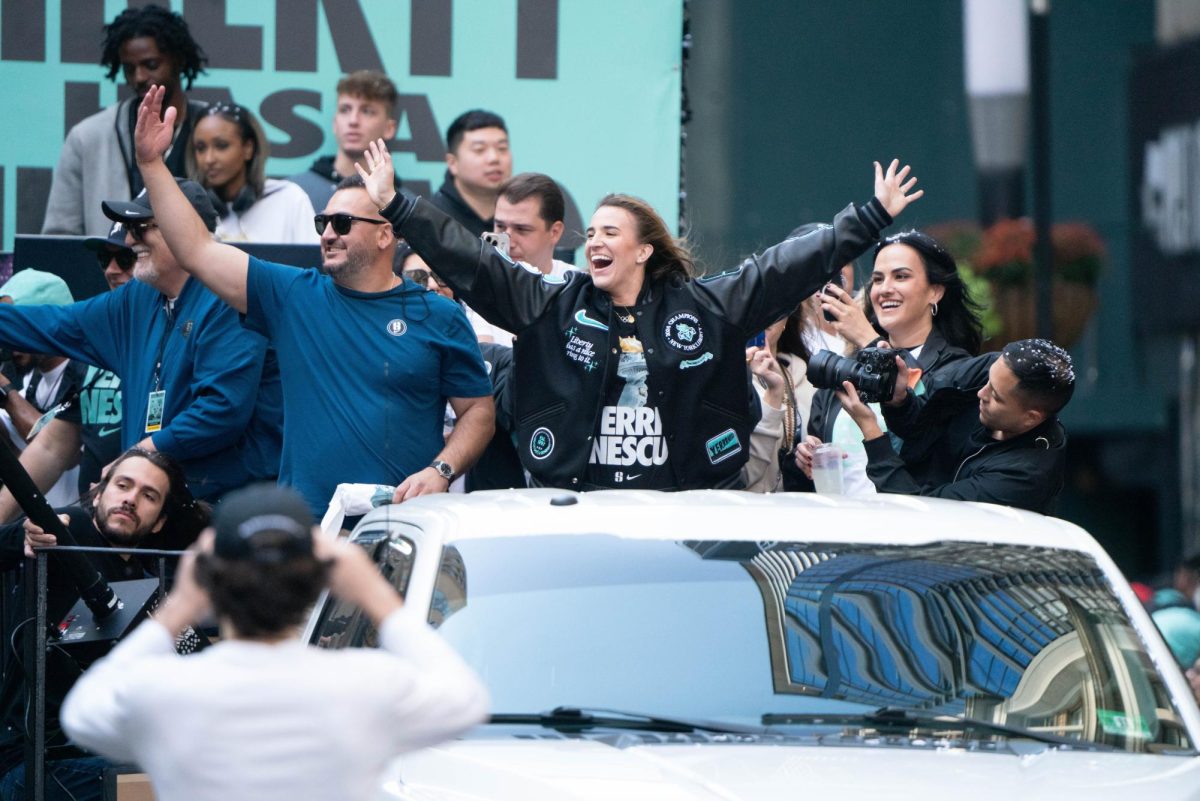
x,y
397,328
541,444
683,332
722,446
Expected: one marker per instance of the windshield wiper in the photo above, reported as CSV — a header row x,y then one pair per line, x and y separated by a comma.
x,y
892,720
570,718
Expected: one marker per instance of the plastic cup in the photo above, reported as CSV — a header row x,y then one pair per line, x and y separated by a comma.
x,y
827,469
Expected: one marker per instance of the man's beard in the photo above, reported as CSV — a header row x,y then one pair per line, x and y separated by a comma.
x,y
122,538
145,271
354,264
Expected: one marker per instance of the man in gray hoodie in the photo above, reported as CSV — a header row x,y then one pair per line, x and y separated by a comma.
x,y
148,45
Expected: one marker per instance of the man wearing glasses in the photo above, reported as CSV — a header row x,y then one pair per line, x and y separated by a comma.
x,y
368,360
88,431
195,384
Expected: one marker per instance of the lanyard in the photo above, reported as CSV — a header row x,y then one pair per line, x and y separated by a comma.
x,y
162,344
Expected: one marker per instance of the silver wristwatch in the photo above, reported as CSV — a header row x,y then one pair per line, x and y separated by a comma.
x,y
444,469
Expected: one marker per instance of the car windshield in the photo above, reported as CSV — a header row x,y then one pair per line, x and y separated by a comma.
x,y
784,632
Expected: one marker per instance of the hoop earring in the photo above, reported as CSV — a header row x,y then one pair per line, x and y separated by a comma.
x,y
934,304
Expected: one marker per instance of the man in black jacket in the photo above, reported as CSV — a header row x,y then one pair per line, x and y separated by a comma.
x,y
478,162
634,375
1009,448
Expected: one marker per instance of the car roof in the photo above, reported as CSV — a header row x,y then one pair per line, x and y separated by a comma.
x,y
731,515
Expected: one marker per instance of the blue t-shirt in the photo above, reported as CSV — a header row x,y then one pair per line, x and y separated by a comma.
x,y
365,375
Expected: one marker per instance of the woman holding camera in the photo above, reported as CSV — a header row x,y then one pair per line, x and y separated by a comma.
x,y
228,157
916,300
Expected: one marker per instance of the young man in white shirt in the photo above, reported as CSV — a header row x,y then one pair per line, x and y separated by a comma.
x,y
261,715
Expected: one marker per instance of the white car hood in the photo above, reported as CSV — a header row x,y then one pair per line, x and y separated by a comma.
x,y
588,770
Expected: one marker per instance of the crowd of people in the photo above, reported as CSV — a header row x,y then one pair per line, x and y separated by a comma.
x,y
419,354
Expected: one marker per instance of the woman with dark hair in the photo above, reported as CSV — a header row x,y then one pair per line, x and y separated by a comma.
x,y
634,374
228,157
916,300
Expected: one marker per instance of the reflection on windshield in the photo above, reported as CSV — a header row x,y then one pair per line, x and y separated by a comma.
x,y
1030,638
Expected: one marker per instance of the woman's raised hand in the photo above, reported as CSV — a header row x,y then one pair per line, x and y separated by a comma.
x,y
379,177
893,191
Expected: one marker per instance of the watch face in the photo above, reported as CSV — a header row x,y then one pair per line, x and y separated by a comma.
x,y
444,470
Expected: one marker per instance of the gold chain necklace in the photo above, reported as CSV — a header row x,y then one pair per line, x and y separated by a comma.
x,y
627,317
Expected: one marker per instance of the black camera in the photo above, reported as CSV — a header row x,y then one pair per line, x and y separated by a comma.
x,y
872,371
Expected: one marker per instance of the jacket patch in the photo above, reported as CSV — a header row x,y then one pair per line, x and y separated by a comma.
x,y
580,350
397,328
687,364
683,332
722,446
582,318
541,444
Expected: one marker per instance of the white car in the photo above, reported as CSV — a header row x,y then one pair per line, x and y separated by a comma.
x,y
645,646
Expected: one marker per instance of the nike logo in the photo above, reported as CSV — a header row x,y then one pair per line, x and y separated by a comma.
x,y
699,360
582,318
104,432
633,476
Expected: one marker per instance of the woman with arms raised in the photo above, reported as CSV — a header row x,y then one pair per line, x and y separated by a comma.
x,y
634,375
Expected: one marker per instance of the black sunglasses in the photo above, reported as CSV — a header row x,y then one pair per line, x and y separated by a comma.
x,y
125,259
341,222
139,229
421,277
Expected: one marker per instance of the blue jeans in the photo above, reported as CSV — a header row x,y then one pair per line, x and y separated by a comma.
x,y
66,779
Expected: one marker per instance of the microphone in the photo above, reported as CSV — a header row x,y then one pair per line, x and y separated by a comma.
x,y
93,589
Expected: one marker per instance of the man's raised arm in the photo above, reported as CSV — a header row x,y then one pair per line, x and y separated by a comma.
x,y
222,268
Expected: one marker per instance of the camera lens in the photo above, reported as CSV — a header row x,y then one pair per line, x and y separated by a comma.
x,y
827,370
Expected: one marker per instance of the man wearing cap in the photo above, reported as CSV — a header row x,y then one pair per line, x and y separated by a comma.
x,y
196,385
261,714
48,383
87,432
368,360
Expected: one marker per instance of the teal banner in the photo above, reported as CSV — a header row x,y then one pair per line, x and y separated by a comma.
x,y
590,90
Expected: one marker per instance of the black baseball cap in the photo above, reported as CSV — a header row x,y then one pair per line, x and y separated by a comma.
x,y
263,523
113,243
126,211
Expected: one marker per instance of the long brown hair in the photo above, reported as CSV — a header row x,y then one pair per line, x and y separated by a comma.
x,y
671,256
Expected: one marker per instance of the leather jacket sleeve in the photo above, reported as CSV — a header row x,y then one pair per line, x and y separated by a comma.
x,y
502,291
770,285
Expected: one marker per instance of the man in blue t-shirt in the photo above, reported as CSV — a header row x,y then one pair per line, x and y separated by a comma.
x,y
368,360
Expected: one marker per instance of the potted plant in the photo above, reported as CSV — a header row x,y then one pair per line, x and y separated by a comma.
x,y
1005,259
